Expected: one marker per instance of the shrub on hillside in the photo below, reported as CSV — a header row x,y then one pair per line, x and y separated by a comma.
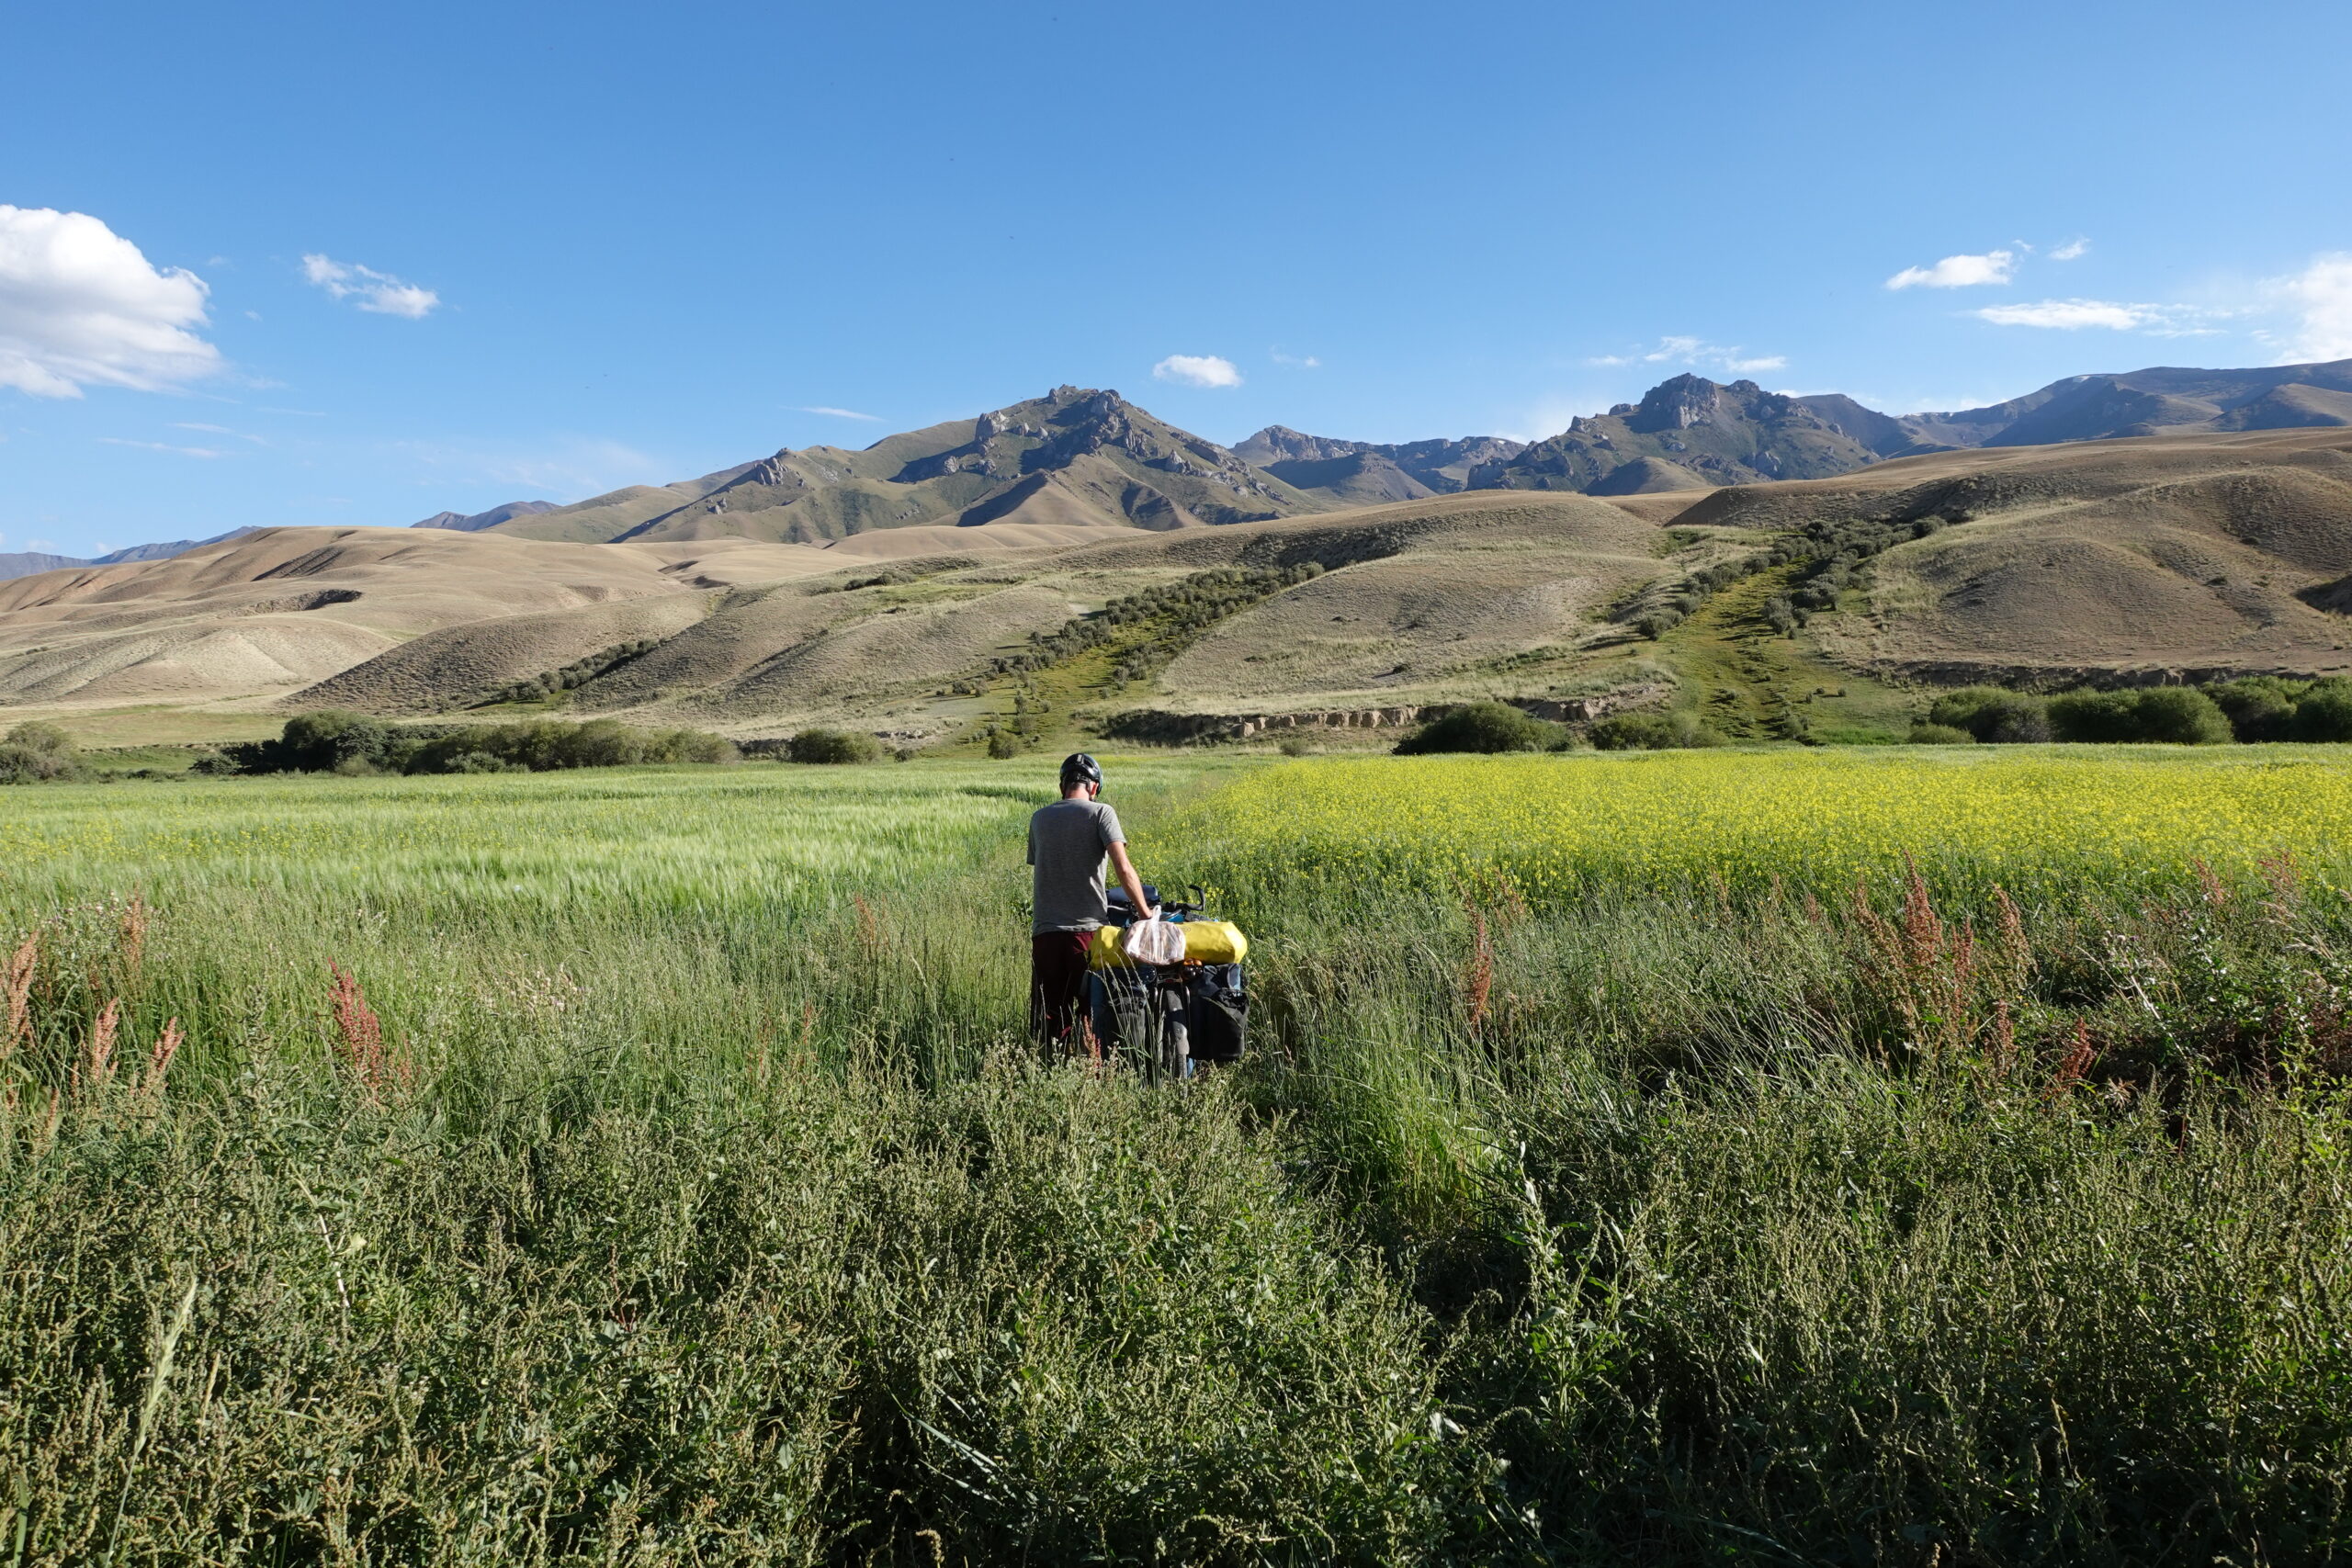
x,y
1480,727
2325,711
352,743
38,753
1651,732
2259,707
1992,715
1927,734
822,745
2178,715
327,741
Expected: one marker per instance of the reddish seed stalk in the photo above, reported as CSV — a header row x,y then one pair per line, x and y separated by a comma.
x,y
361,1043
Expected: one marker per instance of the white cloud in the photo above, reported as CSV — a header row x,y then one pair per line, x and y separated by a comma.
x,y
160,447
841,414
1197,371
219,430
2322,295
378,292
1294,361
49,547
1679,349
79,305
1958,271
2072,250
2073,315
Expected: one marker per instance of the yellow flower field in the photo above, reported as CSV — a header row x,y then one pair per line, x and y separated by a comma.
x,y
2046,821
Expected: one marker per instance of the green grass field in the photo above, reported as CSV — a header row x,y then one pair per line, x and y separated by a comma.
x,y
1636,1163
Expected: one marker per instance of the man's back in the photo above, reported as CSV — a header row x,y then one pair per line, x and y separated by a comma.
x,y
1067,843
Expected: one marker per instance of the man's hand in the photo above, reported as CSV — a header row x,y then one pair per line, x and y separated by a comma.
x,y
1131,882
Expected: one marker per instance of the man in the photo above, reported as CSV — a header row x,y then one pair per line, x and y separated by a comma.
x,y
1068,841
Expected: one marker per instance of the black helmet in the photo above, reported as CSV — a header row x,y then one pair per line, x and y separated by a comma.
x,y
1077,768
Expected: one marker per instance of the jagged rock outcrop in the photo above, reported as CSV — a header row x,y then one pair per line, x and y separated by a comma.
x,y
1686,432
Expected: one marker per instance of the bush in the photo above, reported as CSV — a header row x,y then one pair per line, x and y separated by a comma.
x,y
2325,713
323,742
1480,727
351,744
1296,746
1993,715
1651,732
2180,716
38,753
1926,734
822,745
1003,745
2259,707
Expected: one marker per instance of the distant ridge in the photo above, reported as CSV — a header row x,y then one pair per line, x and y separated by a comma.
x,y
168,550
1088,459
1363,473
1692,434
32,563
475,523
25,564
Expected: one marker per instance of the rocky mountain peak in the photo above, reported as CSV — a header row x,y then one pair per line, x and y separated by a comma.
x,y
1676,404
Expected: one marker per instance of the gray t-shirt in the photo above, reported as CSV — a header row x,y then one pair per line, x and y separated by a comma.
x,y
1067,843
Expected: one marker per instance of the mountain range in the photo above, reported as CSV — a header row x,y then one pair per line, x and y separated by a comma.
x,y
2126,561
24,563
1083,456
1090,459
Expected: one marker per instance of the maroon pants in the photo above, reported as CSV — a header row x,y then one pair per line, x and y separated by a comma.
x,y
1058,987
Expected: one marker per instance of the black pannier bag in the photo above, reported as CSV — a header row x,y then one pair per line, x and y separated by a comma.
x,y
1216,1013
1139,1016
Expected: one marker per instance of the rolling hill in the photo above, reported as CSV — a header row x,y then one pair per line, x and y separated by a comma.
x,y
32,564
262,616
1055,558
2126,560
2135,559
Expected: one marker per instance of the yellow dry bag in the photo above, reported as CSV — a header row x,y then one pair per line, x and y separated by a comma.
x,y
1205,942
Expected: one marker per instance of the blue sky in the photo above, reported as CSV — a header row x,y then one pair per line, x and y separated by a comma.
x,y
563,248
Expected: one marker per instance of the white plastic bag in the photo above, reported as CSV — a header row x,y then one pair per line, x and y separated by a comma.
x,y
1154,941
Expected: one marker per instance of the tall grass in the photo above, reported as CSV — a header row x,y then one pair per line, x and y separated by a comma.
x,y
646,1168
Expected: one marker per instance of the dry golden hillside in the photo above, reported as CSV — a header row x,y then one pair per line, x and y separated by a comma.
x,y
2122,560
282,609
2199,554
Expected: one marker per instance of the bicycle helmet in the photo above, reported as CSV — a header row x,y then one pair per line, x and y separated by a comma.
x,y
1077,768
